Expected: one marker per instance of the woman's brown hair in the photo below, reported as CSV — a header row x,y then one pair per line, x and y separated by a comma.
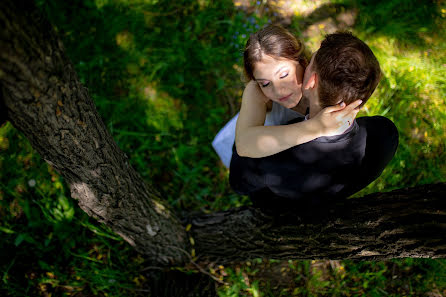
x,y
273,41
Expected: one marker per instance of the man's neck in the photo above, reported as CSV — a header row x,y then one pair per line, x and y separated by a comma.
x,y
314,107
302,106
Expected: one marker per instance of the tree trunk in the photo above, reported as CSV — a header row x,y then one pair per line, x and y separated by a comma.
x,y
45,100
402,223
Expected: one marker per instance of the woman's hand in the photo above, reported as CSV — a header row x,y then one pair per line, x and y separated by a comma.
x,y
334,120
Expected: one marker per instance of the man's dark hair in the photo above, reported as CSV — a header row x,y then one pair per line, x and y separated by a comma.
x,y
347,68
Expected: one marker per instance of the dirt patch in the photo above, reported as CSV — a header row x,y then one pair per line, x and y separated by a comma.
x,y
312,19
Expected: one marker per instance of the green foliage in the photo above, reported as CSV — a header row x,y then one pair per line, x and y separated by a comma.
x,y
165,77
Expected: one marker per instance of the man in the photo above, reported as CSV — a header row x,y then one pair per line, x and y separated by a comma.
x,y
316,172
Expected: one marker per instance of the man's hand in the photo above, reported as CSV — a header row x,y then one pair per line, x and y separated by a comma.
x,y
334,120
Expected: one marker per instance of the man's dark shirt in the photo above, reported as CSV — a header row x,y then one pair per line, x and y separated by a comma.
x,y
315,172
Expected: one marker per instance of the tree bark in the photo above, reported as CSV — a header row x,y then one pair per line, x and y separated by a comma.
x,y
403,223
45,100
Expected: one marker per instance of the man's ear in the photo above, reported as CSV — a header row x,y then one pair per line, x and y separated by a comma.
x,y
312,82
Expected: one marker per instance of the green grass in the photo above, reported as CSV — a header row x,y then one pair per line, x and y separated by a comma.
x,y
165,77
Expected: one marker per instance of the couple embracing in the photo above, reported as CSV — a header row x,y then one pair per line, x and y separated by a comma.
x,y
297,139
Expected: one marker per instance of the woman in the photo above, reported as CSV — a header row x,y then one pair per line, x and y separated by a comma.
x,y
274,62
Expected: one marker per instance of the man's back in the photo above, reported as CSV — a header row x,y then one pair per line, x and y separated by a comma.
x,y
319,170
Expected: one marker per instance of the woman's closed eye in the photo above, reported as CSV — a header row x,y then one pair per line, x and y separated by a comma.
x,y
264,84
284,75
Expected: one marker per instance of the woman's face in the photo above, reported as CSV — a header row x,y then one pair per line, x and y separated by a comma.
x,y
280,80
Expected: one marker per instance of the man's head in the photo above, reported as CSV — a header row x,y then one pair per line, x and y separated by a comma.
x,y
343,69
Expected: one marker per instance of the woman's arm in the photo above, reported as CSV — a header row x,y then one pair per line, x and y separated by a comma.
x,y
254,140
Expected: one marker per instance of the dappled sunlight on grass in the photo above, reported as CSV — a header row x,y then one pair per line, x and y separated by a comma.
x,y
162,112
301,7
412,93
124,39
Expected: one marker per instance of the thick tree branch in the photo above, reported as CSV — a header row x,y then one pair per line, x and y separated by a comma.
x,y
403,223
45,100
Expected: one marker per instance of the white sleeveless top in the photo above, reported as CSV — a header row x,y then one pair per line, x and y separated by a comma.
x,y
224,140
